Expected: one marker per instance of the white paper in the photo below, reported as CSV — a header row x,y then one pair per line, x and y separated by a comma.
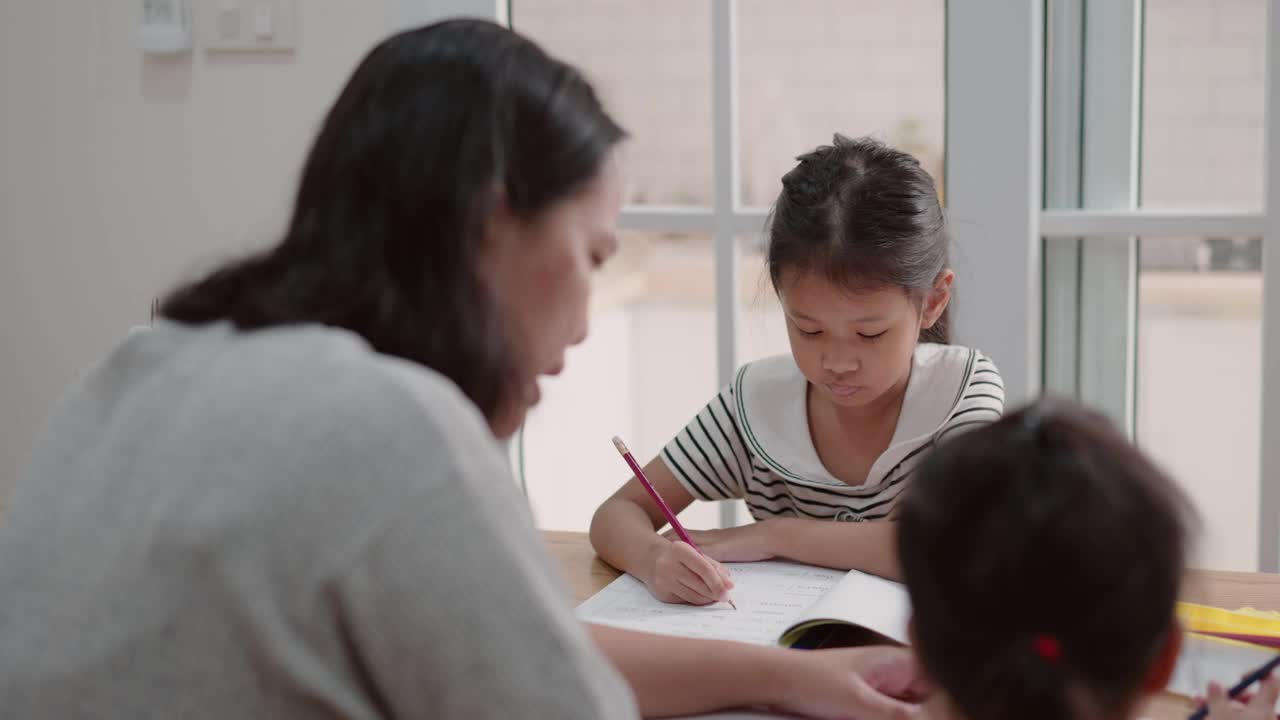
x,y
874,603
770,596
1204,660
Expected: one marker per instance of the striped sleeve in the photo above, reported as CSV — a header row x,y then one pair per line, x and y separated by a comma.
x,y
709,456
981,402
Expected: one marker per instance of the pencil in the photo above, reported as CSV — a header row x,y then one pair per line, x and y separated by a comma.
x,y
1241,686
662,504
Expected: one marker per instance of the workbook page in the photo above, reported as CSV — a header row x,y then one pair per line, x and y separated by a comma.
x,y
865,601
770,596
1206,659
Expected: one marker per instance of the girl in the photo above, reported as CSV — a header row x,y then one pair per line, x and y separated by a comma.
x,y
858,257
1043,556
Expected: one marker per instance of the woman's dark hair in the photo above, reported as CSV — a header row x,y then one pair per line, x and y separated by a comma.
x,y
393,200
1047,526
863,215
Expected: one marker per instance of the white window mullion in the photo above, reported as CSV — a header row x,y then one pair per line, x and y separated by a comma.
x,y
1094,58
689,219
994,137
1269,476
724,134
1109,180
668,219
1151,223
1064,68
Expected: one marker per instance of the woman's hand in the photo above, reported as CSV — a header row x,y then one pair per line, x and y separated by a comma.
x,y
871,683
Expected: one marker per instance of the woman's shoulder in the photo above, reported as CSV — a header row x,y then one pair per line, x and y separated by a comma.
x,y
397,395
378,432
342,391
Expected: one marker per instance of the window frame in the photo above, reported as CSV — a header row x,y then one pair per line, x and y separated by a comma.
x,y
1106,215
1042,198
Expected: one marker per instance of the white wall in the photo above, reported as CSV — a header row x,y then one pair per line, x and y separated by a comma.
x,y
120,175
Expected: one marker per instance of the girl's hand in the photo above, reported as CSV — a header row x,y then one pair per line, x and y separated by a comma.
x,y
746,543
876,683
679,574
1258,707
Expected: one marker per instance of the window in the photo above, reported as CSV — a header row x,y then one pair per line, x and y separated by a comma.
x,y
1198,381
650,64
1199,331
688,299
1154,130
1104,164
644,371
762,329
1203,67
811,68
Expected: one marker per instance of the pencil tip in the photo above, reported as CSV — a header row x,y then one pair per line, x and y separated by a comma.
x,y
617,442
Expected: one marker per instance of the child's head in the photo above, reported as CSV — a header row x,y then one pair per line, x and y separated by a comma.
x,y
1043,555
858,254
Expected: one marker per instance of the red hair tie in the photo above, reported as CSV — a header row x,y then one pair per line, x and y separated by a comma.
x,y
1048,648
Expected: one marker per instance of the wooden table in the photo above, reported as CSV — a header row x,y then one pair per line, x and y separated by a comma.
x,y
588,574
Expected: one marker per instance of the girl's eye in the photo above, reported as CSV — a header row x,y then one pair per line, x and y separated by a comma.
x,y
872,337
809,334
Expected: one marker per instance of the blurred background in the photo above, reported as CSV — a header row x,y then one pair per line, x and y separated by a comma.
x,y
123,171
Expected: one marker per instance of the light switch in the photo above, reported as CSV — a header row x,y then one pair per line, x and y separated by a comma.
x,y
263,21
250,26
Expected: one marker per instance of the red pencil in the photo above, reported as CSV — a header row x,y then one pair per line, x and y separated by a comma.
x,y
662,504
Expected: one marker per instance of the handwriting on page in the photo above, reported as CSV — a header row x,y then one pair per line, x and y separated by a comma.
x,y
770,595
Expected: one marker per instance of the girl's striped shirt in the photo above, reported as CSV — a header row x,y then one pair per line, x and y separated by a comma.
x,y
752,441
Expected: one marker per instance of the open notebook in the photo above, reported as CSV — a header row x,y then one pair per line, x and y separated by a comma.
x,y
778,603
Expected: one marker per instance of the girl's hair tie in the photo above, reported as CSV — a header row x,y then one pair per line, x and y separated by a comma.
x,y
1047,648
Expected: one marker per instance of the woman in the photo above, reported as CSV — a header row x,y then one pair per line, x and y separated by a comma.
x,y
287,499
